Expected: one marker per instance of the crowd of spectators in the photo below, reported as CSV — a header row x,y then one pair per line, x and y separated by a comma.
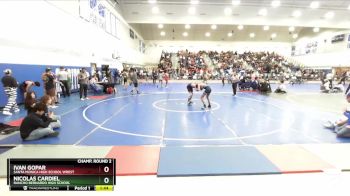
x,y
218,65
165,61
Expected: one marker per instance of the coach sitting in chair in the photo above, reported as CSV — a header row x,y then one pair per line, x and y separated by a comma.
x,y
97,88
108,85
264,86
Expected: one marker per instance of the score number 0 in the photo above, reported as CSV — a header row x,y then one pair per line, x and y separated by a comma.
x,y
106,170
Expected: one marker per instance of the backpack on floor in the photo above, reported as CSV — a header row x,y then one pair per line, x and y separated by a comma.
x,y
7,129
109,90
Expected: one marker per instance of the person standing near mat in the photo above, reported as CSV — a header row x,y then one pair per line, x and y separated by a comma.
x,y
235,81
160,78
133,78
50,85
154,76
83,80
10,85
206,93
125,79
62,77
166,78
27,85
190,87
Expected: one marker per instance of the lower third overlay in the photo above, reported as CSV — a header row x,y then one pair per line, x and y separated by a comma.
x,y
83,174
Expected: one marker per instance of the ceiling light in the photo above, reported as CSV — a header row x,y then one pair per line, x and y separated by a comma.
x,y
152,1
273,35
295,36
228,11
230,34
329,15
187,26
192,10
349,7
296,13
240,27
162,33
316,29
155,10
160,26
194,2
314,5
207,34
275,3
236,2
266,28
185,34
252,35
214,27
262,12
291,29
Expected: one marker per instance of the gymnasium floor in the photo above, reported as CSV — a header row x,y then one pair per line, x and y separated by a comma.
x,y
160,130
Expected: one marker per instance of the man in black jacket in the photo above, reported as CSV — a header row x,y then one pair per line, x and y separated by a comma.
x,y
33,127
10,85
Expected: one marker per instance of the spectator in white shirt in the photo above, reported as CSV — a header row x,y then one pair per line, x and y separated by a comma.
x,y
62,77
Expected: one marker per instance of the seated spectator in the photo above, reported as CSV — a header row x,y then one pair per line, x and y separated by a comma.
x,y
265,86
30,101
33,127
255,84
97,88
325,86
281,88
49,115
341,127
339,88
107,85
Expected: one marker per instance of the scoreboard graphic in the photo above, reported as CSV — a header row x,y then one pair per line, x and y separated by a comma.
x,y
83,174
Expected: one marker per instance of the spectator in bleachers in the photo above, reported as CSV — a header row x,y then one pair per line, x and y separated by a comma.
x,y
193,64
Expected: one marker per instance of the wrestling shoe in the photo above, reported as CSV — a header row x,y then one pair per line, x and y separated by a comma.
x,y
7,113
53,134
329,125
